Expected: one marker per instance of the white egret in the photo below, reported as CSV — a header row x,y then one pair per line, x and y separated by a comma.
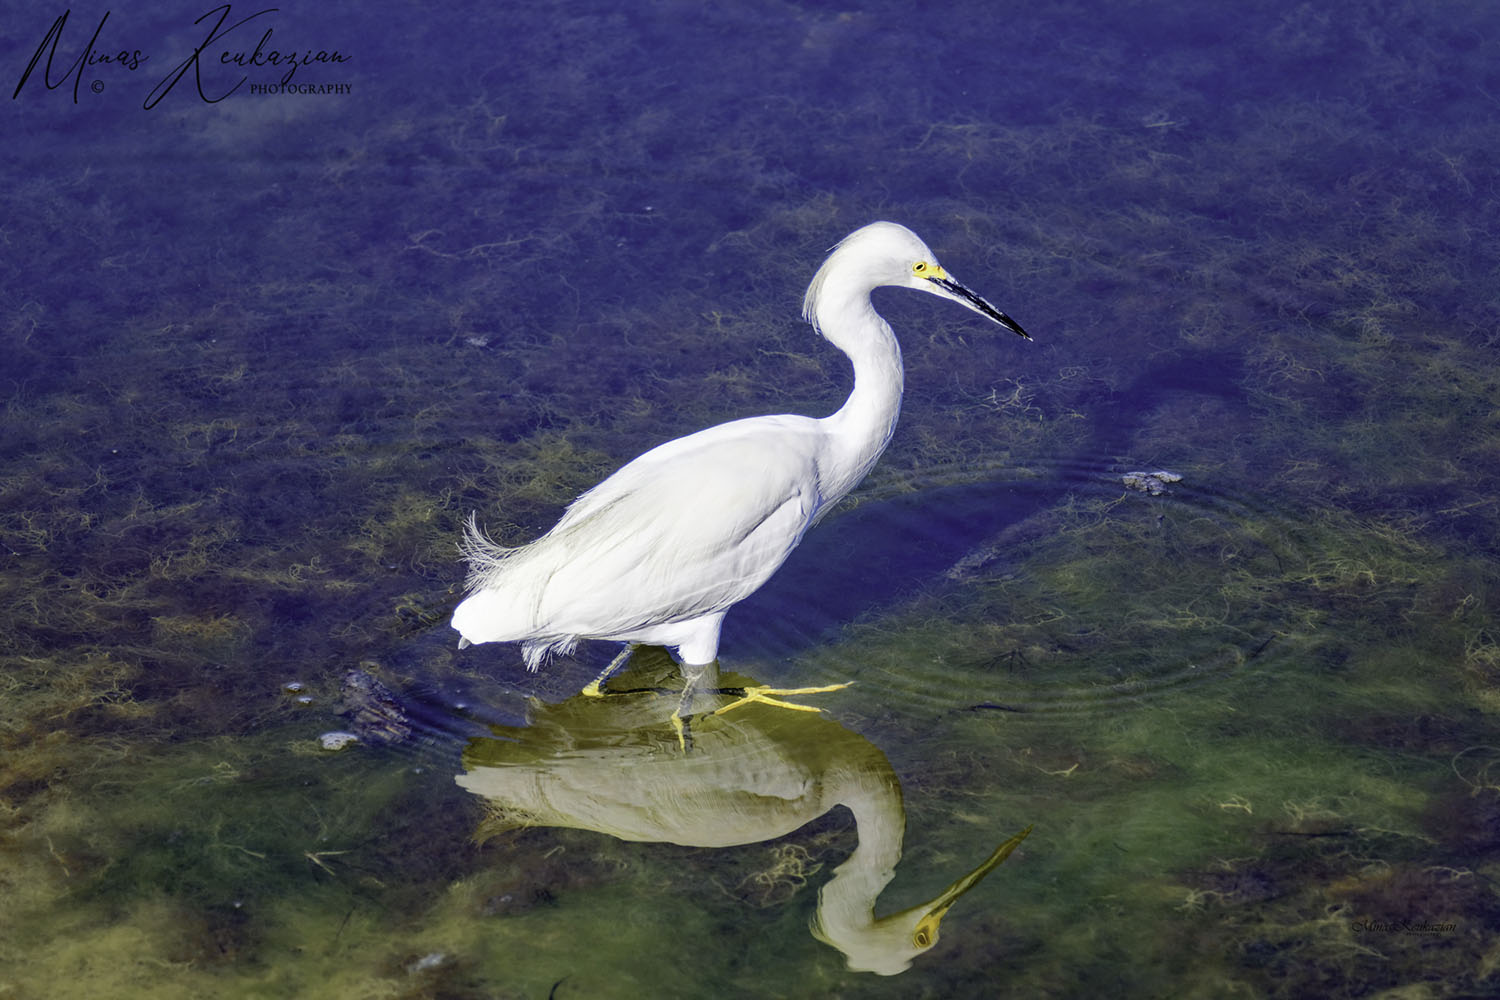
x,y
661,550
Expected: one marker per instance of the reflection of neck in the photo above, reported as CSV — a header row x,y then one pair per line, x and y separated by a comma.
x,y
846,904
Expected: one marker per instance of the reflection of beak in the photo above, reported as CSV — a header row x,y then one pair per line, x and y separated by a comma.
x,y
464,643
927,928
958,292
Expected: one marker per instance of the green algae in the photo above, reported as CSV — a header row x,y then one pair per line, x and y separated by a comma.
x,y
1292,803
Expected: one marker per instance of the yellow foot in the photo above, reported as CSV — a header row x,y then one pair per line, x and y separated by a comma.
x,y
592,690
763,695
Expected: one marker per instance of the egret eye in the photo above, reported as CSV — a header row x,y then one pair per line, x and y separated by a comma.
x,y
920,267
921,939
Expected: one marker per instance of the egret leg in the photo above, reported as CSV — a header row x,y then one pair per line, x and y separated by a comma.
x,y
683,731
592,690
696,681
759,694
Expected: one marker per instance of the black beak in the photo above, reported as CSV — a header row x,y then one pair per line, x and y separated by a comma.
x,y
979,305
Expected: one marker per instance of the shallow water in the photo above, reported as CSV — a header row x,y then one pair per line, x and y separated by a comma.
x,y
266,353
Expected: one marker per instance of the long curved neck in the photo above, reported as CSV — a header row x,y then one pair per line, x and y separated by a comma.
x,y
846,903
863,426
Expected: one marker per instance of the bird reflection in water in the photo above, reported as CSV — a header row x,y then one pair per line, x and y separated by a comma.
x,y
612,765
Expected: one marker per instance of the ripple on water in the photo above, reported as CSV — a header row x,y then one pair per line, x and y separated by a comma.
x,y
1056,589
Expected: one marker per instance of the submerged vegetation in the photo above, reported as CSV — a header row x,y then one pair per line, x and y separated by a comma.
x,y
1252,719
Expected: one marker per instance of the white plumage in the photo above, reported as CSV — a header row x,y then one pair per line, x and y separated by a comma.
x,y
659,551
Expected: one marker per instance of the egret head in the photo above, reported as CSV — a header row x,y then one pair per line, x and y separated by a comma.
x,y
884,253
887,946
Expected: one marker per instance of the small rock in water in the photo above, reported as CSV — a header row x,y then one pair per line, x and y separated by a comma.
x,y
372,710
336,740
1154,483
